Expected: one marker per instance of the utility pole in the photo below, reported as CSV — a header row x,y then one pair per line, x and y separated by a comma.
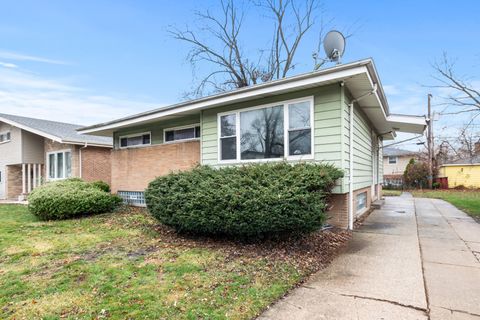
x,y
430,143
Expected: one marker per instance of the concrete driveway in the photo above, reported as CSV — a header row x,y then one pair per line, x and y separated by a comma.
x,y
413,259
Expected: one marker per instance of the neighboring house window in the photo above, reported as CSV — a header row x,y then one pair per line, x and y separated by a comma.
x,y
135,140
59,164
392,160
361,201
267,132
182,133
5,137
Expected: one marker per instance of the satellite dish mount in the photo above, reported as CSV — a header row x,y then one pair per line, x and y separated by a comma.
x,y
334,46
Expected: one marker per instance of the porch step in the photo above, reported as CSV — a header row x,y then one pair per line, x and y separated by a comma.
x,y
377,204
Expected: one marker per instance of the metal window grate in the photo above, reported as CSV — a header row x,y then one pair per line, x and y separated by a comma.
x,y
133,198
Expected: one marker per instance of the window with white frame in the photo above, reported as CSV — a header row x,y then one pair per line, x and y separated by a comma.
x,y
392,160
280,130
182,133
5,137
135,140
59,164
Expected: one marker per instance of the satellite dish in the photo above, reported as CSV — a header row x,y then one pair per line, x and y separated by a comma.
x,y
334,45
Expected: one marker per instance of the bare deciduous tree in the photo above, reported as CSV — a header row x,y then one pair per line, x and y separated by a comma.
x,y
218,44
461,93
460,96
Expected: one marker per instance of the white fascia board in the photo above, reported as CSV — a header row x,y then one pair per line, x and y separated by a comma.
x,y
403,118
238,96
459,164
88,144
35,131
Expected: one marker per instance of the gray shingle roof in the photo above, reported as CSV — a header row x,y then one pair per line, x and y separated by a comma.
x,y
394,152
472,160
66,132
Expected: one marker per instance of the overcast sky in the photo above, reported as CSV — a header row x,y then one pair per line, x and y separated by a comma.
x,y
91,61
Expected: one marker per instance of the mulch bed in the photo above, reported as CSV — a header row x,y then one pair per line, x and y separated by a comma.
x,y
308,253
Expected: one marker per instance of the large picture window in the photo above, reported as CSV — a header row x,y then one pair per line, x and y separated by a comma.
x,y
59,165
276,131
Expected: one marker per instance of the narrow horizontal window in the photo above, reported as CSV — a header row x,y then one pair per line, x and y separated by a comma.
x,y
135,140
182,134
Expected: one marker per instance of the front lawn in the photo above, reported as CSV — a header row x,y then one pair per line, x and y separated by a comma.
x,y
391,193
125,266
466,200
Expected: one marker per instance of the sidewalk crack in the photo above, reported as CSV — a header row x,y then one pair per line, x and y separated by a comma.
x,y
460,311
387,301
425,288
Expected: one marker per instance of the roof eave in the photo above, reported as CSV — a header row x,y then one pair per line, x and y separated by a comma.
x,y
337,73
29,129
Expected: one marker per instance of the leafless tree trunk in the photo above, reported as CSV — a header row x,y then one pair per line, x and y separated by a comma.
x,y
217,43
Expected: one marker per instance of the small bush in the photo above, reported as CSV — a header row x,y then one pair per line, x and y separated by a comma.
x,y
245,201
102,185
416,174
69,198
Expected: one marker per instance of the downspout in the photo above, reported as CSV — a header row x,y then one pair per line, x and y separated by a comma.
x,y
350,173
80,159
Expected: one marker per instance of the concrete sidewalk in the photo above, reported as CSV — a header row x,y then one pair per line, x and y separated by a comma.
x,y
413,259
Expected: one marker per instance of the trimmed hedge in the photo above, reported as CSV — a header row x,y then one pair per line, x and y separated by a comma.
x,y
102,185
70,198
245,201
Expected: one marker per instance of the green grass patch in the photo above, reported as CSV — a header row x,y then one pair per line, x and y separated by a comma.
x,y
466,200
116,266
391,193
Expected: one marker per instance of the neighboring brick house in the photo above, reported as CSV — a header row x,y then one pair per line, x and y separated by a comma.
x,y
337,115
33,151
394,163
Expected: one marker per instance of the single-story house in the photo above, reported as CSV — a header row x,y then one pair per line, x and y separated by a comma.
x,y
35,150
338,115
394,164
464,172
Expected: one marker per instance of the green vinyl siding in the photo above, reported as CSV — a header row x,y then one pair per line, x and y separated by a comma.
x,y
362,151
327,129
156,128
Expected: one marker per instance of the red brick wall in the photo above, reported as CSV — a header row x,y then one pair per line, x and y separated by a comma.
x,y
96,164
13,181
338,213
134,168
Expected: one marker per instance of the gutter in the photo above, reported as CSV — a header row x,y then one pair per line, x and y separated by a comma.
x,y
350,173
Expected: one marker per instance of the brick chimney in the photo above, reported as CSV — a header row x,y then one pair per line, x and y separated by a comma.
x,y
476,148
